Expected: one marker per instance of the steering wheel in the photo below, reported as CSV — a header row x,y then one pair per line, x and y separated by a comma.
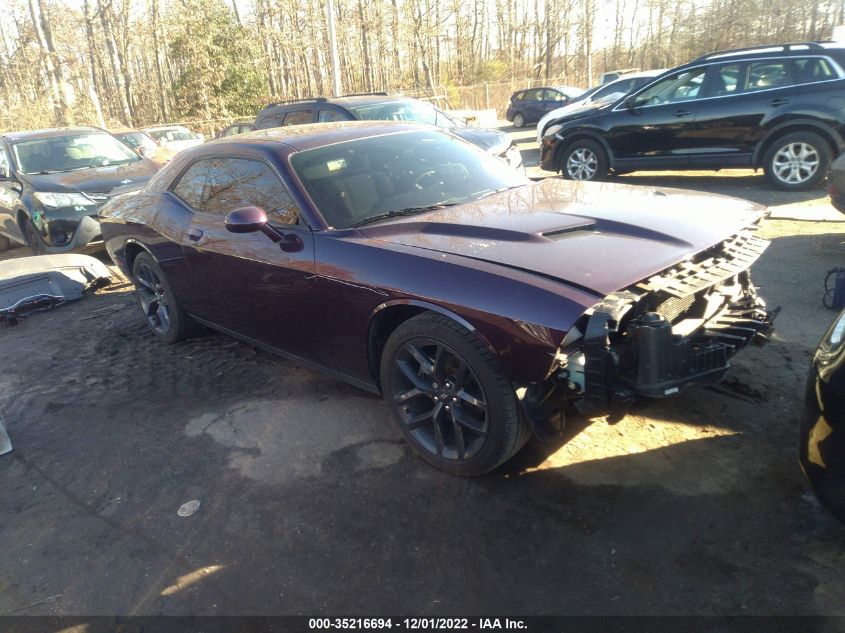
x,y
418,183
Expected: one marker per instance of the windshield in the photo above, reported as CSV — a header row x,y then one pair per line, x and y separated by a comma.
x,y
173,134
66,153
417,111
137,140
352,181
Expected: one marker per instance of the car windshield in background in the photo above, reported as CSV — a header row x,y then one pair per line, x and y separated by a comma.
x,y
137,140
66,153
406,111
359,181
175,134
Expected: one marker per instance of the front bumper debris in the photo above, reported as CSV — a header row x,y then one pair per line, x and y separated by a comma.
x,y
29,284
84,232
677,329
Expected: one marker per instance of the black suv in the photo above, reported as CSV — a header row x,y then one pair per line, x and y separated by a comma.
x,y
380,106
53,182
781,108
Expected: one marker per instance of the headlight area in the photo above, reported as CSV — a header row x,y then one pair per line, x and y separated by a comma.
x,y
671,331
66,220
831,349
513,156
78,201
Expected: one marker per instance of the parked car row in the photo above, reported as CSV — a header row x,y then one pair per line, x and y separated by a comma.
x,y
53,181
378,106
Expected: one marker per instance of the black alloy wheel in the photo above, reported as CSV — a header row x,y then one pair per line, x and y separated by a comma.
x,y
449,397
440,399
152,298
162,312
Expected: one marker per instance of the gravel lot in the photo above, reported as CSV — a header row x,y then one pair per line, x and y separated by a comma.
x,y
311,504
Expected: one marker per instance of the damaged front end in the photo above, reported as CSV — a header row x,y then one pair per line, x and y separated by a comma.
x,y
671,331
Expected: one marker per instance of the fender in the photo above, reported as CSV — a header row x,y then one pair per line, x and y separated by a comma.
x,y
757,156
425,305
122,259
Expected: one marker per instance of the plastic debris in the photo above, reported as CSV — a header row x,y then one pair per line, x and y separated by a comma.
x,y
188,508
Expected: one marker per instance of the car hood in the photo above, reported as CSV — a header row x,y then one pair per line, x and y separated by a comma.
x,y
488,140
94,180
599,237
581,110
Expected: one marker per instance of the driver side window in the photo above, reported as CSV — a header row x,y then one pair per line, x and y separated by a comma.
x,y
239,182
221,185
682,86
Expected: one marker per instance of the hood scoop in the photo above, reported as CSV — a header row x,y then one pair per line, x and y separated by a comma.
x,y
569,231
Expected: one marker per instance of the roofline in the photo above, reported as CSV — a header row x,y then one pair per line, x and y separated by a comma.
x,y
774,48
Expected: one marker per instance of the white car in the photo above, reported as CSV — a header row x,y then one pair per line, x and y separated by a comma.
x,y
174,137
612,90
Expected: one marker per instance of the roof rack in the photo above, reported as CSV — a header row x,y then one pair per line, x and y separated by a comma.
x,y
747,49
366,94
284,101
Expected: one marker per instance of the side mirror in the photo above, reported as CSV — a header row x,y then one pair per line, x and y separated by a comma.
x,y
250,220
630,102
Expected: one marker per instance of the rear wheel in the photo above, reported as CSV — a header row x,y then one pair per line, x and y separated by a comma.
x,y
797,161
449,397
518,120
584,160
163,314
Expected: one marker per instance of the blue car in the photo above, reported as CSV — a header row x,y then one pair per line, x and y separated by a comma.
x,y
529,106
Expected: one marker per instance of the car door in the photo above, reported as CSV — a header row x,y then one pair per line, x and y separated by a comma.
x,y
10,197
532,105
552,99
256,288
742,99
653,128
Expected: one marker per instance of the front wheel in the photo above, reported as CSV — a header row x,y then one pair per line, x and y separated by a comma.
x,y
163,314
584,160
797,161
449,397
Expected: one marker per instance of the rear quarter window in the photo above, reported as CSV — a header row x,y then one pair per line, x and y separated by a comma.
x,y
812,69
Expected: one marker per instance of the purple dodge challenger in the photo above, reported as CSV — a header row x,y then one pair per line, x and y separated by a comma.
x,y
406,261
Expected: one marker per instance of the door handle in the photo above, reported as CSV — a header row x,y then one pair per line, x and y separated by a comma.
x,y
778,102
680,113
195,235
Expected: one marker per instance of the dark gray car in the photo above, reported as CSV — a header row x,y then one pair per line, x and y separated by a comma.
x,y
53,182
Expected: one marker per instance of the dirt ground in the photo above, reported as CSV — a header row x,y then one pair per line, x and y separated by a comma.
x,y
311,504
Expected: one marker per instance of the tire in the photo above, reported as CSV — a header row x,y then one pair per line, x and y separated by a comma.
x,y
33,240
449,397
797,161
5,243
518,120
584,160
163,314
